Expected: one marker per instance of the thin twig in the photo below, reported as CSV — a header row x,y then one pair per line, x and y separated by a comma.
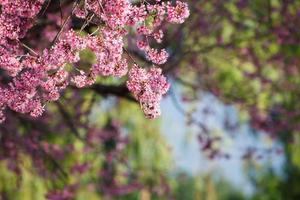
x,y
27,47
65,22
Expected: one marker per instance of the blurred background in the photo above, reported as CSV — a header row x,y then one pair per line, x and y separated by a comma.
x,y
229,128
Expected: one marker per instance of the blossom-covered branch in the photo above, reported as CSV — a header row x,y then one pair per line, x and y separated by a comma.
x,y
37,73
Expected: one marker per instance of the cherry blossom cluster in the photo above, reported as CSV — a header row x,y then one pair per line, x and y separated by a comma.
x,y
37,77
148,87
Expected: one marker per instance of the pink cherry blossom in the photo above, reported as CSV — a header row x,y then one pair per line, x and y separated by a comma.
x,y
148,87
38,74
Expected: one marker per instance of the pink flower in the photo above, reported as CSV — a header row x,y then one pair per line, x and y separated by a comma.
x,y
178,13
148,87
156,56
37,75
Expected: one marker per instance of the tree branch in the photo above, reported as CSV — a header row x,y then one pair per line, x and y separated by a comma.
x,y
119,91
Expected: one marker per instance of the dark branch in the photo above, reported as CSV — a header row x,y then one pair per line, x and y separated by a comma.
x,y
119,91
